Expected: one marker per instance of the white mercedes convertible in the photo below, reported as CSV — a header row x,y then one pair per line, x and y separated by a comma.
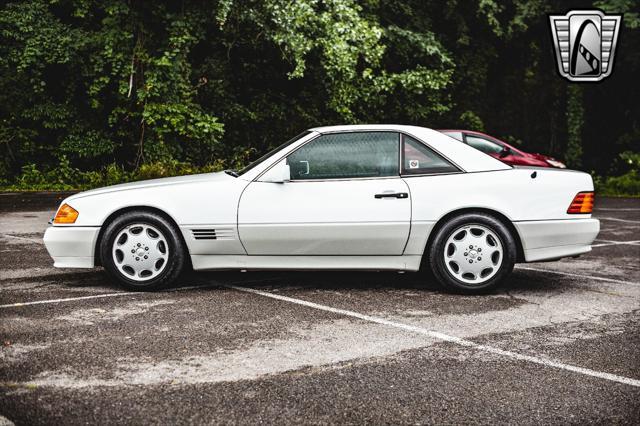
x,y
374,197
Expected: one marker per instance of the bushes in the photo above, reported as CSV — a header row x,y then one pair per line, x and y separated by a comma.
x,y
65,178
625,185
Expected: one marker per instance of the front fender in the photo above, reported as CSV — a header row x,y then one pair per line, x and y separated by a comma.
x,y
193,203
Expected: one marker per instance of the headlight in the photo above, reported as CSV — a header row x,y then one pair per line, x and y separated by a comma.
x,y
66,214
556,163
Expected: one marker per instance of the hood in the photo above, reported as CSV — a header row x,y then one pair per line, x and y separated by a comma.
x,y
176,180
541,156
550,161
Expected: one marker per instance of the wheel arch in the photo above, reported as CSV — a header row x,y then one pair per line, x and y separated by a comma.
x,y
500,216
142,208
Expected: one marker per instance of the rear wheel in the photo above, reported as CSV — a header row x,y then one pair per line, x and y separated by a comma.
x,y
142,251
472,253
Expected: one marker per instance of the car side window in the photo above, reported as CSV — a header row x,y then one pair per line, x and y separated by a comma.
x,y
484,145
420,159
347,155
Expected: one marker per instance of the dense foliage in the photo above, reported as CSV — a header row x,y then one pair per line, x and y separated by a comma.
x,y
93,93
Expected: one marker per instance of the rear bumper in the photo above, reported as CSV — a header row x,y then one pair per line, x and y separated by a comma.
x,y
71,246
555,239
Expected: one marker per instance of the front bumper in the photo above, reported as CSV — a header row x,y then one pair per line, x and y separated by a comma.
x,y
555,239
71,246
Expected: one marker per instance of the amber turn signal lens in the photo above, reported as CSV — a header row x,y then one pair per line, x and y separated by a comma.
x,y
581,204
66,214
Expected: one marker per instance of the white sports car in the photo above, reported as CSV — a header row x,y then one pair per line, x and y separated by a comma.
x,y
377,197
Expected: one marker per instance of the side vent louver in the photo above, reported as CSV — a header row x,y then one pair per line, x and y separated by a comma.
x,y
213,234
204,234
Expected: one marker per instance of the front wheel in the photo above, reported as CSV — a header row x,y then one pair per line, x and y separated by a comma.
x,y
472,253
142,251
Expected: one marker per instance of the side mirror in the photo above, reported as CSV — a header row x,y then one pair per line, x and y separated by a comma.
x,y
505,151
280,173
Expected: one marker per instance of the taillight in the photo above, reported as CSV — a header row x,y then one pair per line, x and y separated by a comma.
x,y
66,214
581,204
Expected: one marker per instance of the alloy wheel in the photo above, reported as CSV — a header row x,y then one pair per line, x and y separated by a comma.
x,y
140,252
473,254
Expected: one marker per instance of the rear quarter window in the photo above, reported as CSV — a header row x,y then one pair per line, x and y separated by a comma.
x,y
418,159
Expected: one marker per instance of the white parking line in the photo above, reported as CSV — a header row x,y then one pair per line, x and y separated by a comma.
x,y
31,240
446,338
122,293
614,243
615,219
570,274
100,296
68,299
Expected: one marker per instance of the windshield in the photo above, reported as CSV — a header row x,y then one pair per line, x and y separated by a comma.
x,y
273,151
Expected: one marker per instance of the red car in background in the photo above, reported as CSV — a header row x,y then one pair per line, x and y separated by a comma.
x,y
502,150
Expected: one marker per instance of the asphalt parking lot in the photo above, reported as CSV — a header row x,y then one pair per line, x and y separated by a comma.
x,y
559,344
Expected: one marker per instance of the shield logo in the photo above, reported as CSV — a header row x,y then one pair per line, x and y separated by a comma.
x,y
585,43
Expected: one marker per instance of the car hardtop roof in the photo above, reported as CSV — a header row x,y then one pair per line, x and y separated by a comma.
x,y
363,127
466,157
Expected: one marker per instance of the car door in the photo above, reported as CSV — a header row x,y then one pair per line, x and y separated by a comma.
x,y
345,197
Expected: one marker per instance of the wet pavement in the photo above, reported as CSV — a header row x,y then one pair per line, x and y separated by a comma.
x,y
560,343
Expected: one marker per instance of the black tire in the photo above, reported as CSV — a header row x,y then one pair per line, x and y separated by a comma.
x,y
176,255
436,253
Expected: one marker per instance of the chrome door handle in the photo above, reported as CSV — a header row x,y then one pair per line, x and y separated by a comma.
x,y
392,195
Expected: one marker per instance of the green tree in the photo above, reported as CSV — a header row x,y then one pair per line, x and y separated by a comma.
x,y
121,89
